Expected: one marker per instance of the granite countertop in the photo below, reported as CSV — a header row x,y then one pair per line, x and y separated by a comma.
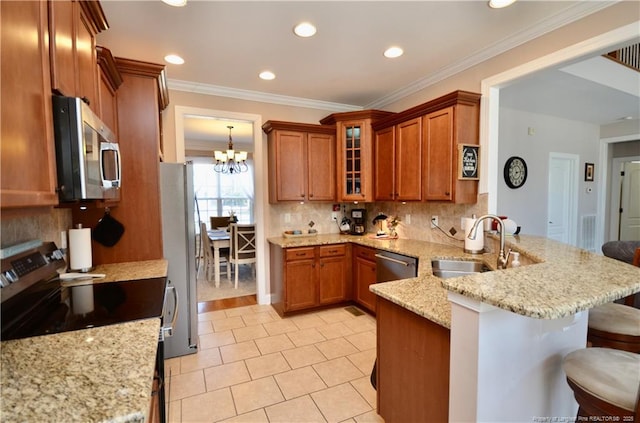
x,y
555,280
100,374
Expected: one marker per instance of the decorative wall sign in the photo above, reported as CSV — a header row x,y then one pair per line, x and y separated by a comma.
x,y
469,162
589,170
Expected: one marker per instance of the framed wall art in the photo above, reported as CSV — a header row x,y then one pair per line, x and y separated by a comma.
x,y
589,170
469,162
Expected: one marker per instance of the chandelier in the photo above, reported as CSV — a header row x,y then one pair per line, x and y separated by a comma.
x,y
230,161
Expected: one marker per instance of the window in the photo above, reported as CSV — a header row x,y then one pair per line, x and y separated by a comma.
x,y
219,194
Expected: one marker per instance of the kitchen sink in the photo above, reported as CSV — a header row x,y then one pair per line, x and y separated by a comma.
x,y
454,268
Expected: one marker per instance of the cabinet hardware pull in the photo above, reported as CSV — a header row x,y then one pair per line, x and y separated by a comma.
x,y
310,195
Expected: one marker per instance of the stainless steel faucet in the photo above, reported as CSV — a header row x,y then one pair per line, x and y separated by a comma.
x,y
502,257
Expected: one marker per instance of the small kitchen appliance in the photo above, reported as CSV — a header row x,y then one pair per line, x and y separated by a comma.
x,y
358,218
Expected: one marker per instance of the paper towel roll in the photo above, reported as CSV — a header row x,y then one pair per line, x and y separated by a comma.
x,y
473,246
80,249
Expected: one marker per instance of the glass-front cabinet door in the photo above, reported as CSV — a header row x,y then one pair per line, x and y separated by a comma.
x,y
354,158
355,181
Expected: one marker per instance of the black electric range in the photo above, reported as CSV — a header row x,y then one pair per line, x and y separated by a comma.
x,y
35,301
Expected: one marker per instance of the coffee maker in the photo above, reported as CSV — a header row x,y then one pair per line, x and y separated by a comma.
x,y
358,219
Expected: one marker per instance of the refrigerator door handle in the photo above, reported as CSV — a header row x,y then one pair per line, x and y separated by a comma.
x,y
168,330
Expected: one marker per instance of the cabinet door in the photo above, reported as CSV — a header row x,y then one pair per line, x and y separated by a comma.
x,y
300,285
384,164
62,37
408,160
290,162
86,56
321,160
27,156
333,279
438,155
364,274
355,161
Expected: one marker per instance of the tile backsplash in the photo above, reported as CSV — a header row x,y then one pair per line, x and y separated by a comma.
x,y
45,226
288,216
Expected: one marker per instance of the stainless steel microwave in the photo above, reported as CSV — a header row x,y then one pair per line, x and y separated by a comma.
x,y
87,153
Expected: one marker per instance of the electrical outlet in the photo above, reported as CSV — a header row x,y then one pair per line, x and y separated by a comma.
x,y
407,219
334,216
434,221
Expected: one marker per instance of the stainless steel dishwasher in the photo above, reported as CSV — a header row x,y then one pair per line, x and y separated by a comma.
x,y
392,267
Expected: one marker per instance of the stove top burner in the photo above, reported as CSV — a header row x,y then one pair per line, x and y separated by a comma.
x,y
36,303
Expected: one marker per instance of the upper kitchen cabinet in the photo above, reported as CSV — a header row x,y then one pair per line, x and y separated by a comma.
x,y
444,131
109,79
27,155
397,162
355,153
140,100
302,164
444,124
73,26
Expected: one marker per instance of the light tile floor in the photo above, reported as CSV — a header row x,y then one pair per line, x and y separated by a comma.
x,y
254,366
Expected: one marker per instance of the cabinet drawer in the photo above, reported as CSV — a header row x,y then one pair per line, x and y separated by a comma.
x,y
299,253
333,250
365,253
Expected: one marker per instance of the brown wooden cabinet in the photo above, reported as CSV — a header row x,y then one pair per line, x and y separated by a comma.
x,y
109,80
412,371
72,31
398,162
442,125
443,131
364,275
139,103
27,154
355,153
301,161
307,277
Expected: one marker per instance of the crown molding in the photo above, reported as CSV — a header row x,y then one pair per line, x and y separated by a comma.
x,y
259,96
567,16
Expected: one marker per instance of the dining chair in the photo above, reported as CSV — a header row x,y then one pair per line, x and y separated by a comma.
x,y
243,248
209,262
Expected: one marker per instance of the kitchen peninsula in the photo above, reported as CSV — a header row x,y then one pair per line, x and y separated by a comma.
x,y
509,328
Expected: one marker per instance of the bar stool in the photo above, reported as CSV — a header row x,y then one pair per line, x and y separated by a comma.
x,y
605,382
615,326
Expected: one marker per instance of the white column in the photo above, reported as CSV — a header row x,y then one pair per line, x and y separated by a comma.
x,y
508,368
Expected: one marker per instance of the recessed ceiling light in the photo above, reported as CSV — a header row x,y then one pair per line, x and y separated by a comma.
x,y
176,3
174,59
499,4
304,29
393,52
267,75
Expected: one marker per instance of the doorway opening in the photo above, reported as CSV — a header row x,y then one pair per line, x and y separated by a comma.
x,y
219,195
625,199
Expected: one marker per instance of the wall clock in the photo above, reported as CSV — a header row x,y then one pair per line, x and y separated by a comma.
x,y
515,172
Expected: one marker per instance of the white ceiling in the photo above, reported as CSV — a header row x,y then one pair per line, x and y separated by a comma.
x,y
227,43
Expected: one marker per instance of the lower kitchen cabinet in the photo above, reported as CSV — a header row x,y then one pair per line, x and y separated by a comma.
x,y
308,277
364,274
412,371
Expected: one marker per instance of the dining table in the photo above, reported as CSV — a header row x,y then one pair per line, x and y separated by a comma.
x,y
219,239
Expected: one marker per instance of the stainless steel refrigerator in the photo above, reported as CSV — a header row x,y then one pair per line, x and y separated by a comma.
x,y
178,238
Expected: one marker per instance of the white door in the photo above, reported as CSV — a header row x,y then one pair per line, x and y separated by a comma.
x,y
562,197
630,203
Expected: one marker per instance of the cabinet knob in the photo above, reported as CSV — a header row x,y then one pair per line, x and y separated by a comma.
x,y
447,193
310,195
302,195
